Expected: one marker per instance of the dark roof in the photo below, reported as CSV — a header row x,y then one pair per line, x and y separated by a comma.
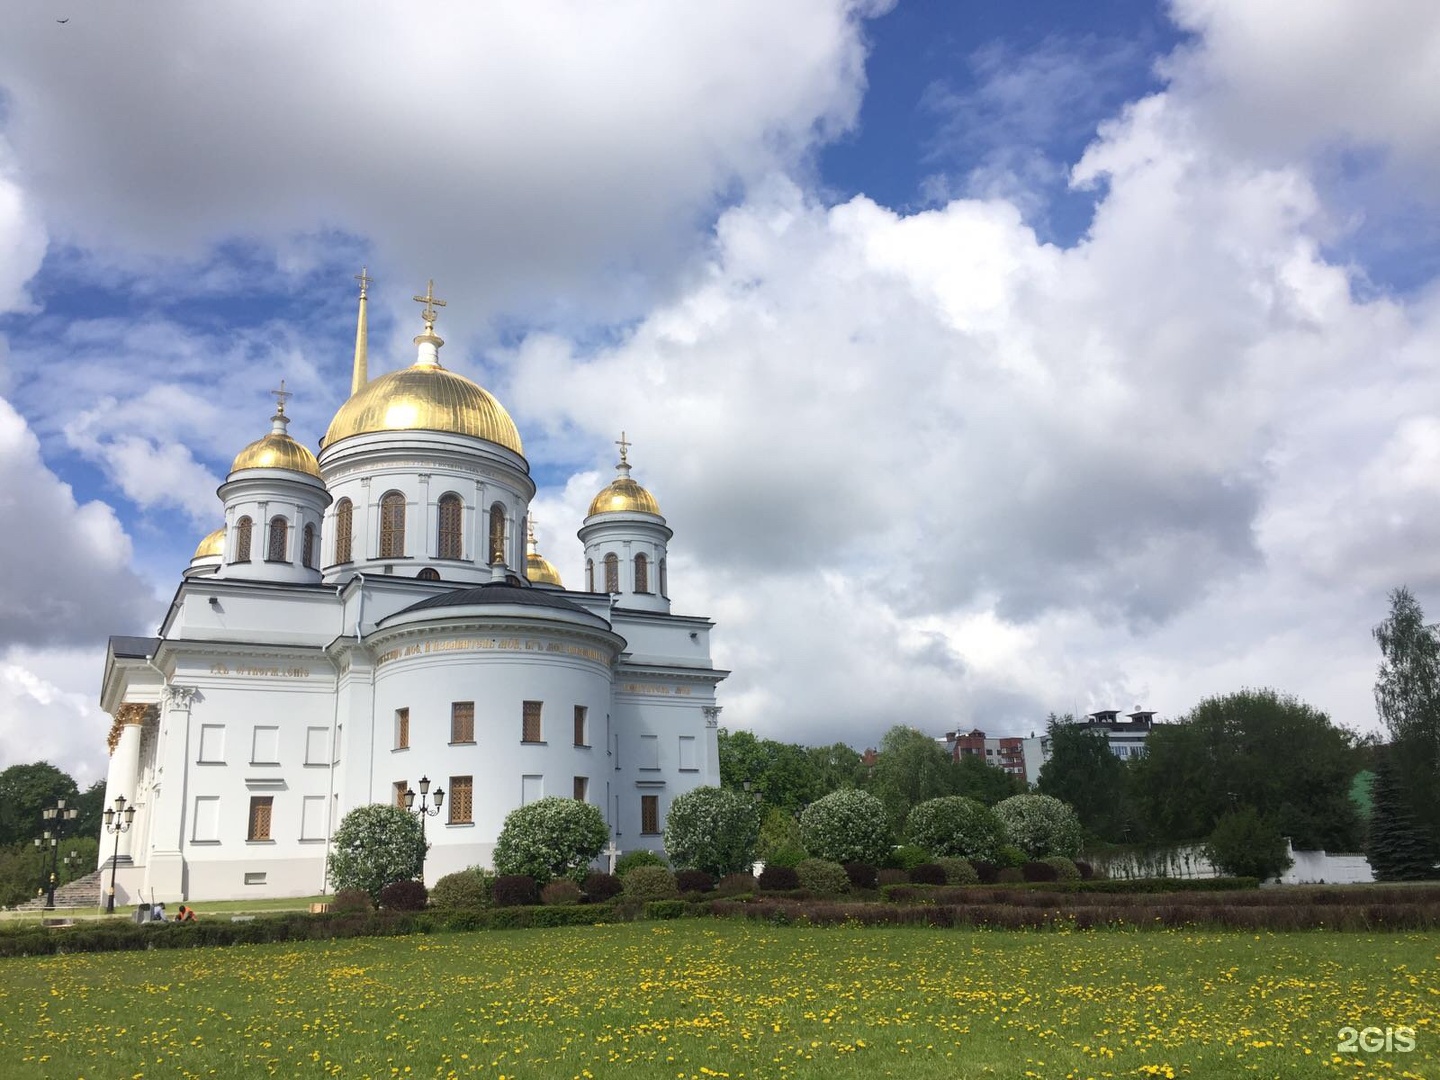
x,y
496,593
138,647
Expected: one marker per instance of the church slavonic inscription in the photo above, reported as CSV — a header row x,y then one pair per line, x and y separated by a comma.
x,y
251,670
494,644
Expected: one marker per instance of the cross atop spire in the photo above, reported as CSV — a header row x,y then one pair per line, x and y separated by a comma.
x,y
624,445
280,397
431,303
365,280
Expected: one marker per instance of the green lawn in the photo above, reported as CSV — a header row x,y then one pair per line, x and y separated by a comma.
x,y
696,998
204,908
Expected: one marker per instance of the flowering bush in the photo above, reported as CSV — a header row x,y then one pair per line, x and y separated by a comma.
x,y
712,829
550,838
846,826
375,845
1041,825
956,826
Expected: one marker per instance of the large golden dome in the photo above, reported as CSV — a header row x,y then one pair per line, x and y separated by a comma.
x,y
277,451
213,544
425,397
539,570
623,494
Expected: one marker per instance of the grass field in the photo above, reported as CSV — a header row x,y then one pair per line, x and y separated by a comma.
x,y
700,998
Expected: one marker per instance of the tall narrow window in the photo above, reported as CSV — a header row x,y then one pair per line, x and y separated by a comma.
x,y
664,583
397,793
260,807
582,788
649,752
581,717
451,509
589,575
462,800
242,539
650,815
497,533
612,573
392,525
275,549
642,574
307,548
530,730
462,721
402,729
344,529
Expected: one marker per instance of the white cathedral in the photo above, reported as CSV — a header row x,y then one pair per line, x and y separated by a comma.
x,y
377,621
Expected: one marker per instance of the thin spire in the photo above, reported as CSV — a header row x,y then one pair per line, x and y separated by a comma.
x,y
361,374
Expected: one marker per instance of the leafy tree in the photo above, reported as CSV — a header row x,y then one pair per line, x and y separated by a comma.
x,y
1400,849
91,804
846,826
1041,825
26,791
833,767
911,767
953,825
779,833
1244,844
549,838
977,779
1084,772
712,829
375,845
1407,698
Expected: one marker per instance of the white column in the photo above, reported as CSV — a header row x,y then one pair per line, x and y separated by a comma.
x,y
165,865
123,777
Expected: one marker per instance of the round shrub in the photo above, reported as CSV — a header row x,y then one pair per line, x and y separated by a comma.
x,y
735,885
956,826
906,857
987,872
846,826
1041,825
1065,870
861,875
693,881
712,829
1010,875
350,900
600,887
639,857
891,876
822,877
465,889
958,871
560,892
1039,871
404,896
646,883
375,845
927,874
515,890
779,879
549,838
1244,844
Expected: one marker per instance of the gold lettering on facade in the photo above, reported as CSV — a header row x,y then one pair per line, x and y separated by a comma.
x,y
492,644
264,672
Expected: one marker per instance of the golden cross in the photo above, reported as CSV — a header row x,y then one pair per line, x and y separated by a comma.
x,y
430,305
365,280
624,446
280,396
530,526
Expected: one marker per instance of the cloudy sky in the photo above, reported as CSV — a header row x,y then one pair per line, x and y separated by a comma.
x,y
988,360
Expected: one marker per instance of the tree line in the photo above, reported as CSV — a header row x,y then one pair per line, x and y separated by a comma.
x,y
26,791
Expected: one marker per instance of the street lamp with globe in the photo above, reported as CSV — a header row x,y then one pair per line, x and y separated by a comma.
x,y
117,820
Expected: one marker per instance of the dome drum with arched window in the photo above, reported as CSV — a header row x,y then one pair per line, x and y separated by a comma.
x,y
625,540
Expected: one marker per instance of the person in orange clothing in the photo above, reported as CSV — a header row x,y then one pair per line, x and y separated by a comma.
x,y
185,914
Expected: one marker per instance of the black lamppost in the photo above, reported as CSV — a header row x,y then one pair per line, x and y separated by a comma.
x,y
115,824
56,816
423,810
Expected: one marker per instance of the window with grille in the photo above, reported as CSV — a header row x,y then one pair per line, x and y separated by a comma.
x,y
589,575
398,792
642,574
392,525
530,727
344,526
582,788
497,533
462,721
429,574
260,808
612,573
462,800
581,735
275,548
402,729
650,815
451,508
307,548
242,539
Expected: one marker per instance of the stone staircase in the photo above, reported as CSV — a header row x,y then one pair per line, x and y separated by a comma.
x,y
83,892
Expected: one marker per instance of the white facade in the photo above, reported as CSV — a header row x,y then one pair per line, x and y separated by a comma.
x,y
283,691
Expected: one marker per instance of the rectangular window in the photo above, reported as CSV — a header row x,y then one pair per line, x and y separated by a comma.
x,y
317,745
582,736
402,729
265,750
582,787
530,731
255,877
532,789
207,819
339,731
312,818
260,807
649,752
461,798
650,815
462,721
212,743
689,758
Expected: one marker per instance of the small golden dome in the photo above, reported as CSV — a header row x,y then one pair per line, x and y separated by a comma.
x,y
539,570
212,545
277,451
623,494
425,397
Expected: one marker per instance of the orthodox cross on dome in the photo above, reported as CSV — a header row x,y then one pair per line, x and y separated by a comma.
x,y
280,397
624,445
365,280
431,303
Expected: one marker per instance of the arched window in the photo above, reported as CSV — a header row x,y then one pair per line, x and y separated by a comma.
x,y
612,572
642,574
450,510
275,547
307,548
589,575
497,533
429,574
392,525
344,529
664,584
242,539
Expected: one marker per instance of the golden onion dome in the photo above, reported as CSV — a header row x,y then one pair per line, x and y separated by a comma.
x,y
425,397
277,450
540,572
623,494
212,545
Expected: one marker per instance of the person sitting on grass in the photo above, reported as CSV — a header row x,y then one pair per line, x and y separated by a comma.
x,y
185,914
